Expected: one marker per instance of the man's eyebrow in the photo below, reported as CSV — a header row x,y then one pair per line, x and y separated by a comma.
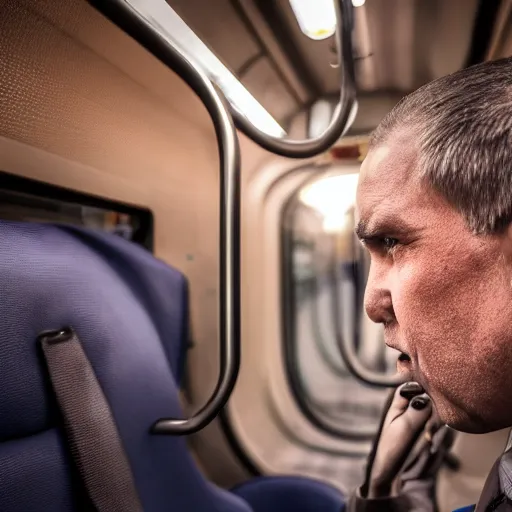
x,y
388,225
362,231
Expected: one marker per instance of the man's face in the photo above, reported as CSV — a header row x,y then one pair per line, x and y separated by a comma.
x,y
443,294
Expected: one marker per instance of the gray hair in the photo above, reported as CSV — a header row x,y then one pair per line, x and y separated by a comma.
x,y
463,124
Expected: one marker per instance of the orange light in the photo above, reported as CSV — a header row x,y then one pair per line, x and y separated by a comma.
x,y
346,152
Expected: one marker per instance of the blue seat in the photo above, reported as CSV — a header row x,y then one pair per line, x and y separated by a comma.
x,y
290,494
130,313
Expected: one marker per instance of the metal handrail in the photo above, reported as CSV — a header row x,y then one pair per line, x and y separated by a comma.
x,y
129,20
342,113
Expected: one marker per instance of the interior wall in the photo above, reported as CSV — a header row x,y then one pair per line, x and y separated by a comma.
x,y
83,106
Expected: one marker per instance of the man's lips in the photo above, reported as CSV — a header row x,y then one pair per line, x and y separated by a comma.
x,y
398,349
404,358
404,366
404,361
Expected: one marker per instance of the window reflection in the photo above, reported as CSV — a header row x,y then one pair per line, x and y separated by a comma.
x,y
324,284
27,200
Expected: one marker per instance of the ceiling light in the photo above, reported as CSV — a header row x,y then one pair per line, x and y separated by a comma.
x,y
316,18
170,26
358,3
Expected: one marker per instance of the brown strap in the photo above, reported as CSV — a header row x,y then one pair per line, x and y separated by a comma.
x,y
90,429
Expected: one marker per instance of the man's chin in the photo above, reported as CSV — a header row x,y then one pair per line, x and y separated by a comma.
x,y
463,422
470,428
456,417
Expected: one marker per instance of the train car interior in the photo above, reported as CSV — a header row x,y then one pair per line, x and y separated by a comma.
x,y
177,190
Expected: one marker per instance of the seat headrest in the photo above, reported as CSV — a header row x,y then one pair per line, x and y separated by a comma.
x,y
129,311
52,276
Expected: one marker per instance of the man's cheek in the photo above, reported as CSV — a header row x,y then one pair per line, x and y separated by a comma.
x,y
422,313
421,289
411,294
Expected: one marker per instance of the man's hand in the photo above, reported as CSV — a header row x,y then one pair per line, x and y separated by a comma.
x,y
407,417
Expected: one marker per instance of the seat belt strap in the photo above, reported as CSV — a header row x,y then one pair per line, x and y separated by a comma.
x,y
90,429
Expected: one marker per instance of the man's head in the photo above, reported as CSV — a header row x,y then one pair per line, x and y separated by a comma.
x,y
435,211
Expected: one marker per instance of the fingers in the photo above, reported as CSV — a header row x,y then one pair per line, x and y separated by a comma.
x,y
432,454
402,398
418,412
434,423
410,390
443,436
407,420
410,411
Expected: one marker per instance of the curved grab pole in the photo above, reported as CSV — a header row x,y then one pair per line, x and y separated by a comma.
x,y
125,17
347,102
347,349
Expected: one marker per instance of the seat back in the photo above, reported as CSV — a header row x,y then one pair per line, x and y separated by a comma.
x,y
130,312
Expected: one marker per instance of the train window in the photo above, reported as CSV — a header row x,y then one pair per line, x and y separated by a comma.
x,y
325,271
23,199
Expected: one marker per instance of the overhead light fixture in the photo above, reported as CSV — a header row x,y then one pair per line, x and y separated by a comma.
x,y
332,197
316,18
358,3
170,26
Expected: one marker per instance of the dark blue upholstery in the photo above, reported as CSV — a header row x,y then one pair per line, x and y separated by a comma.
x,y
290,494
129,311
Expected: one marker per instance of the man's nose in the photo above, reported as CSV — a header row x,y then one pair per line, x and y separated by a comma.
x,y
377,299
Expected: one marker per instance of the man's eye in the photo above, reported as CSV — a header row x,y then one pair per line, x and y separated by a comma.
x,y
389,243
382,244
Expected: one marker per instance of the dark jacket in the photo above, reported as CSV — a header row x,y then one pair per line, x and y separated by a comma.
x,y
417,496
